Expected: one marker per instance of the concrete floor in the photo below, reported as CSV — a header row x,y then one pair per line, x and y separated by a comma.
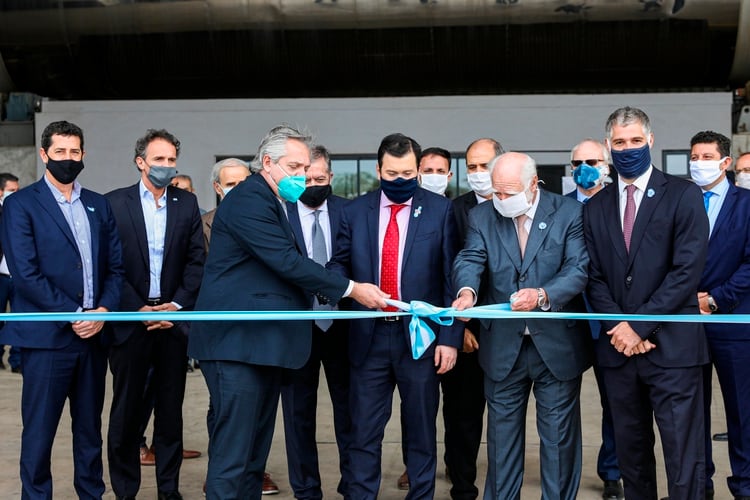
x,y
193,471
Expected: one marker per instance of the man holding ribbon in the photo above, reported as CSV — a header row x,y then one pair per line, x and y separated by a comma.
x,y
404,238
257,264
652,265
531,244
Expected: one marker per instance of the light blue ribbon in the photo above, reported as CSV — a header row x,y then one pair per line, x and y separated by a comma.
x,y
420,334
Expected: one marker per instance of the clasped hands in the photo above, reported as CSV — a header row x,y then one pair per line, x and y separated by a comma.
x,y
626,341
158,324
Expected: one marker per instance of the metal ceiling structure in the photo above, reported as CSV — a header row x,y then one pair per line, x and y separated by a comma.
x,y
131,49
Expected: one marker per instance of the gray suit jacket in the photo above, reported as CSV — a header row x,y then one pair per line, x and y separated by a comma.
x,y
555,259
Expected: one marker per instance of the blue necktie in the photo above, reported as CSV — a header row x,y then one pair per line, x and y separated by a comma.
x,y
706,198
320,255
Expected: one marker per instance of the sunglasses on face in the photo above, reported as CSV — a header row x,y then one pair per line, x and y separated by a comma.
x,y
592,162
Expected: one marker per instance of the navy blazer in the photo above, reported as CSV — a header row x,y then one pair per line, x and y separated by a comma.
x,y
430,247
184,253
461,207
555,259
255,264
727,273
659,275
44,261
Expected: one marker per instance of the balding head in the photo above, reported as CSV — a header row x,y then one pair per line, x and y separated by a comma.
x,y
513,173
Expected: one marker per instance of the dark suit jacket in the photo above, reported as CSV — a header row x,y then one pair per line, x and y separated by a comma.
x,y
430,247
461,207
661,273
44,261
555,259
255,265
184,254
727,273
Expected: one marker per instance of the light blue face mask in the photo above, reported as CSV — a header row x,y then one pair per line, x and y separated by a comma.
x,y
291,187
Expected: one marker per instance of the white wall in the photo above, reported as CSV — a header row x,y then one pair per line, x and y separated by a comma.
x,y
206,128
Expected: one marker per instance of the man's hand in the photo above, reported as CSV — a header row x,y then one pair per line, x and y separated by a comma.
x,y
465,300
703,303
470,341
642,348
158,324
525,299
86,329
624,338
445,358
369,295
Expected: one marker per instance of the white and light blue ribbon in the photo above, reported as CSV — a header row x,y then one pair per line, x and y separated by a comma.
x,y
420,334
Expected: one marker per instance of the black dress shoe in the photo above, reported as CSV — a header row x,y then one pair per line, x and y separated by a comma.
x,y
170,495
613,490
720,436
125,498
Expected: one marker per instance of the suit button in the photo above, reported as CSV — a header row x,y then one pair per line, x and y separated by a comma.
x,y
80,295
628,279
79,266
522,278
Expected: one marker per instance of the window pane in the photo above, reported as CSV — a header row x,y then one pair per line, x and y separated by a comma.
x,y
345,177
368,180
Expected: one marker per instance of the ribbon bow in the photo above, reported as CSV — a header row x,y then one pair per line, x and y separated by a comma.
x,y
420,334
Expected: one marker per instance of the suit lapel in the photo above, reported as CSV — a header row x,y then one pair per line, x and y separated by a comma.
x,y
373,218
294,221
95,226
540,228
173,199
414,220
49,204
135,211
654,192
727,209
506,234
611,217
334,218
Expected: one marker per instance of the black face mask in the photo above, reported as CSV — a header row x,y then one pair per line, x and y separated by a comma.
x,y
314,196
64,171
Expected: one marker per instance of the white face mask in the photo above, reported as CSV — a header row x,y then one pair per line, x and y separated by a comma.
x,y
480,183
513,206
743,180
705,172
437,183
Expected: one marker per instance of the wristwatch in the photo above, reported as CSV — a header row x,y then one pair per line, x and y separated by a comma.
x,y
540,302
712,304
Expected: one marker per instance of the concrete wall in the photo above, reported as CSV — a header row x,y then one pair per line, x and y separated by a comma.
x,y
21,162
547,126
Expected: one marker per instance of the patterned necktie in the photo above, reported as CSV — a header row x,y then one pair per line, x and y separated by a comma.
x,y
707,198
320,255
629,218
389,258
523,235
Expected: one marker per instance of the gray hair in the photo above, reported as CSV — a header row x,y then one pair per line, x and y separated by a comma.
x,y
623,117
274,145
227,162
528,169
605,151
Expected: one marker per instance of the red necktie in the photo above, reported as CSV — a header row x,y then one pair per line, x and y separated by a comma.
x,y
389,258
629,217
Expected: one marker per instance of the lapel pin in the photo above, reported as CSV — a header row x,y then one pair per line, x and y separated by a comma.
x,y
418,211
91,209
650,193
174,199
542,225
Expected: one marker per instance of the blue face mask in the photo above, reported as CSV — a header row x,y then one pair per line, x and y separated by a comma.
x,y
399,190
161,176
632,163
586,176
291,187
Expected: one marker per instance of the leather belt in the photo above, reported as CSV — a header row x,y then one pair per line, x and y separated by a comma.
x,y
390,319
154,302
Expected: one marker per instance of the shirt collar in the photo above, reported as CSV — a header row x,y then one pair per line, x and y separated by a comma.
x,y
305,210
146,194
721,188
534,205
59,197
385,202
641,182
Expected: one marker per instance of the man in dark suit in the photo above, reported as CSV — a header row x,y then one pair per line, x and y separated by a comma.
x,y
8,186
653,266
315,220
530,245
256,264
725,289
463,386
403,237
589,160
64,254
162,239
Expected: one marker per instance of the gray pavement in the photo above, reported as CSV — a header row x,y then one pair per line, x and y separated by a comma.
x,y
193,471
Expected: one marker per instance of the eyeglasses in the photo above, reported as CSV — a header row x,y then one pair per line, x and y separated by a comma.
x,y
592,162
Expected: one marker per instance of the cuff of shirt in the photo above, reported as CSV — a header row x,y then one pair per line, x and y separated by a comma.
x,y
178,306
349,289
471,290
